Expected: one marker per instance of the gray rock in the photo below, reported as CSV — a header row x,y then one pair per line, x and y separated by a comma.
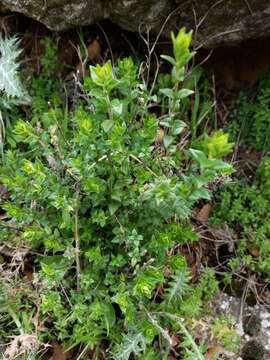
x,y
252,324
215,22
253,350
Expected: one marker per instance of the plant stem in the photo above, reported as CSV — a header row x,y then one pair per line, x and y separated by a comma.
x,y
16,320
184,331
83,352
163,332
77,242
140,162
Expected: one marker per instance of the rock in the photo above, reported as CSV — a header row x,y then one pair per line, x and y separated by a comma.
x,y
60,14
253,350
214,22
252,324
255,330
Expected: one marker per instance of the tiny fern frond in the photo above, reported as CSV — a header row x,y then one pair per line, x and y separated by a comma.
x,y
178,286
131,344
10,83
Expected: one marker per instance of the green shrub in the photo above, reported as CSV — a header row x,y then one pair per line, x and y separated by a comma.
x,y
250,121
244,207
100,204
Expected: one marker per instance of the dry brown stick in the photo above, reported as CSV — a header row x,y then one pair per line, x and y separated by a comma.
x,y
249,7
108,43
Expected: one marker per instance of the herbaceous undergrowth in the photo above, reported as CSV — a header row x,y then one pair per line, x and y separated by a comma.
x,y
100,208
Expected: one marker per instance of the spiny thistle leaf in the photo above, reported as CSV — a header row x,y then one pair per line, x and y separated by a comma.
x,y
178,286
10,83
131,344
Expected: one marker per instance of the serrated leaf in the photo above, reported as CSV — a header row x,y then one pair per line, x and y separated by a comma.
x,y
10,82
178,286
134,343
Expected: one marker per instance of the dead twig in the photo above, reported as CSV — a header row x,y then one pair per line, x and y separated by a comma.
x,y
82,62
249,7
108,43
216,36
151,47
21,345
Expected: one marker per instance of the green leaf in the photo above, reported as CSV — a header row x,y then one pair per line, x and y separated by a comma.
x,y
113,206
55,266
183,93
109,316
147,280
217,145
117,107
178,286
167,141
201,193
107,125
10,82
168,92
177,127
199,156
133,343
210,164
102,76
95,185
170,59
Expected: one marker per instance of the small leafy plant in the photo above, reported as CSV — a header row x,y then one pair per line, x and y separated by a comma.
x,y
244,207
101,209
225,333
250,121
